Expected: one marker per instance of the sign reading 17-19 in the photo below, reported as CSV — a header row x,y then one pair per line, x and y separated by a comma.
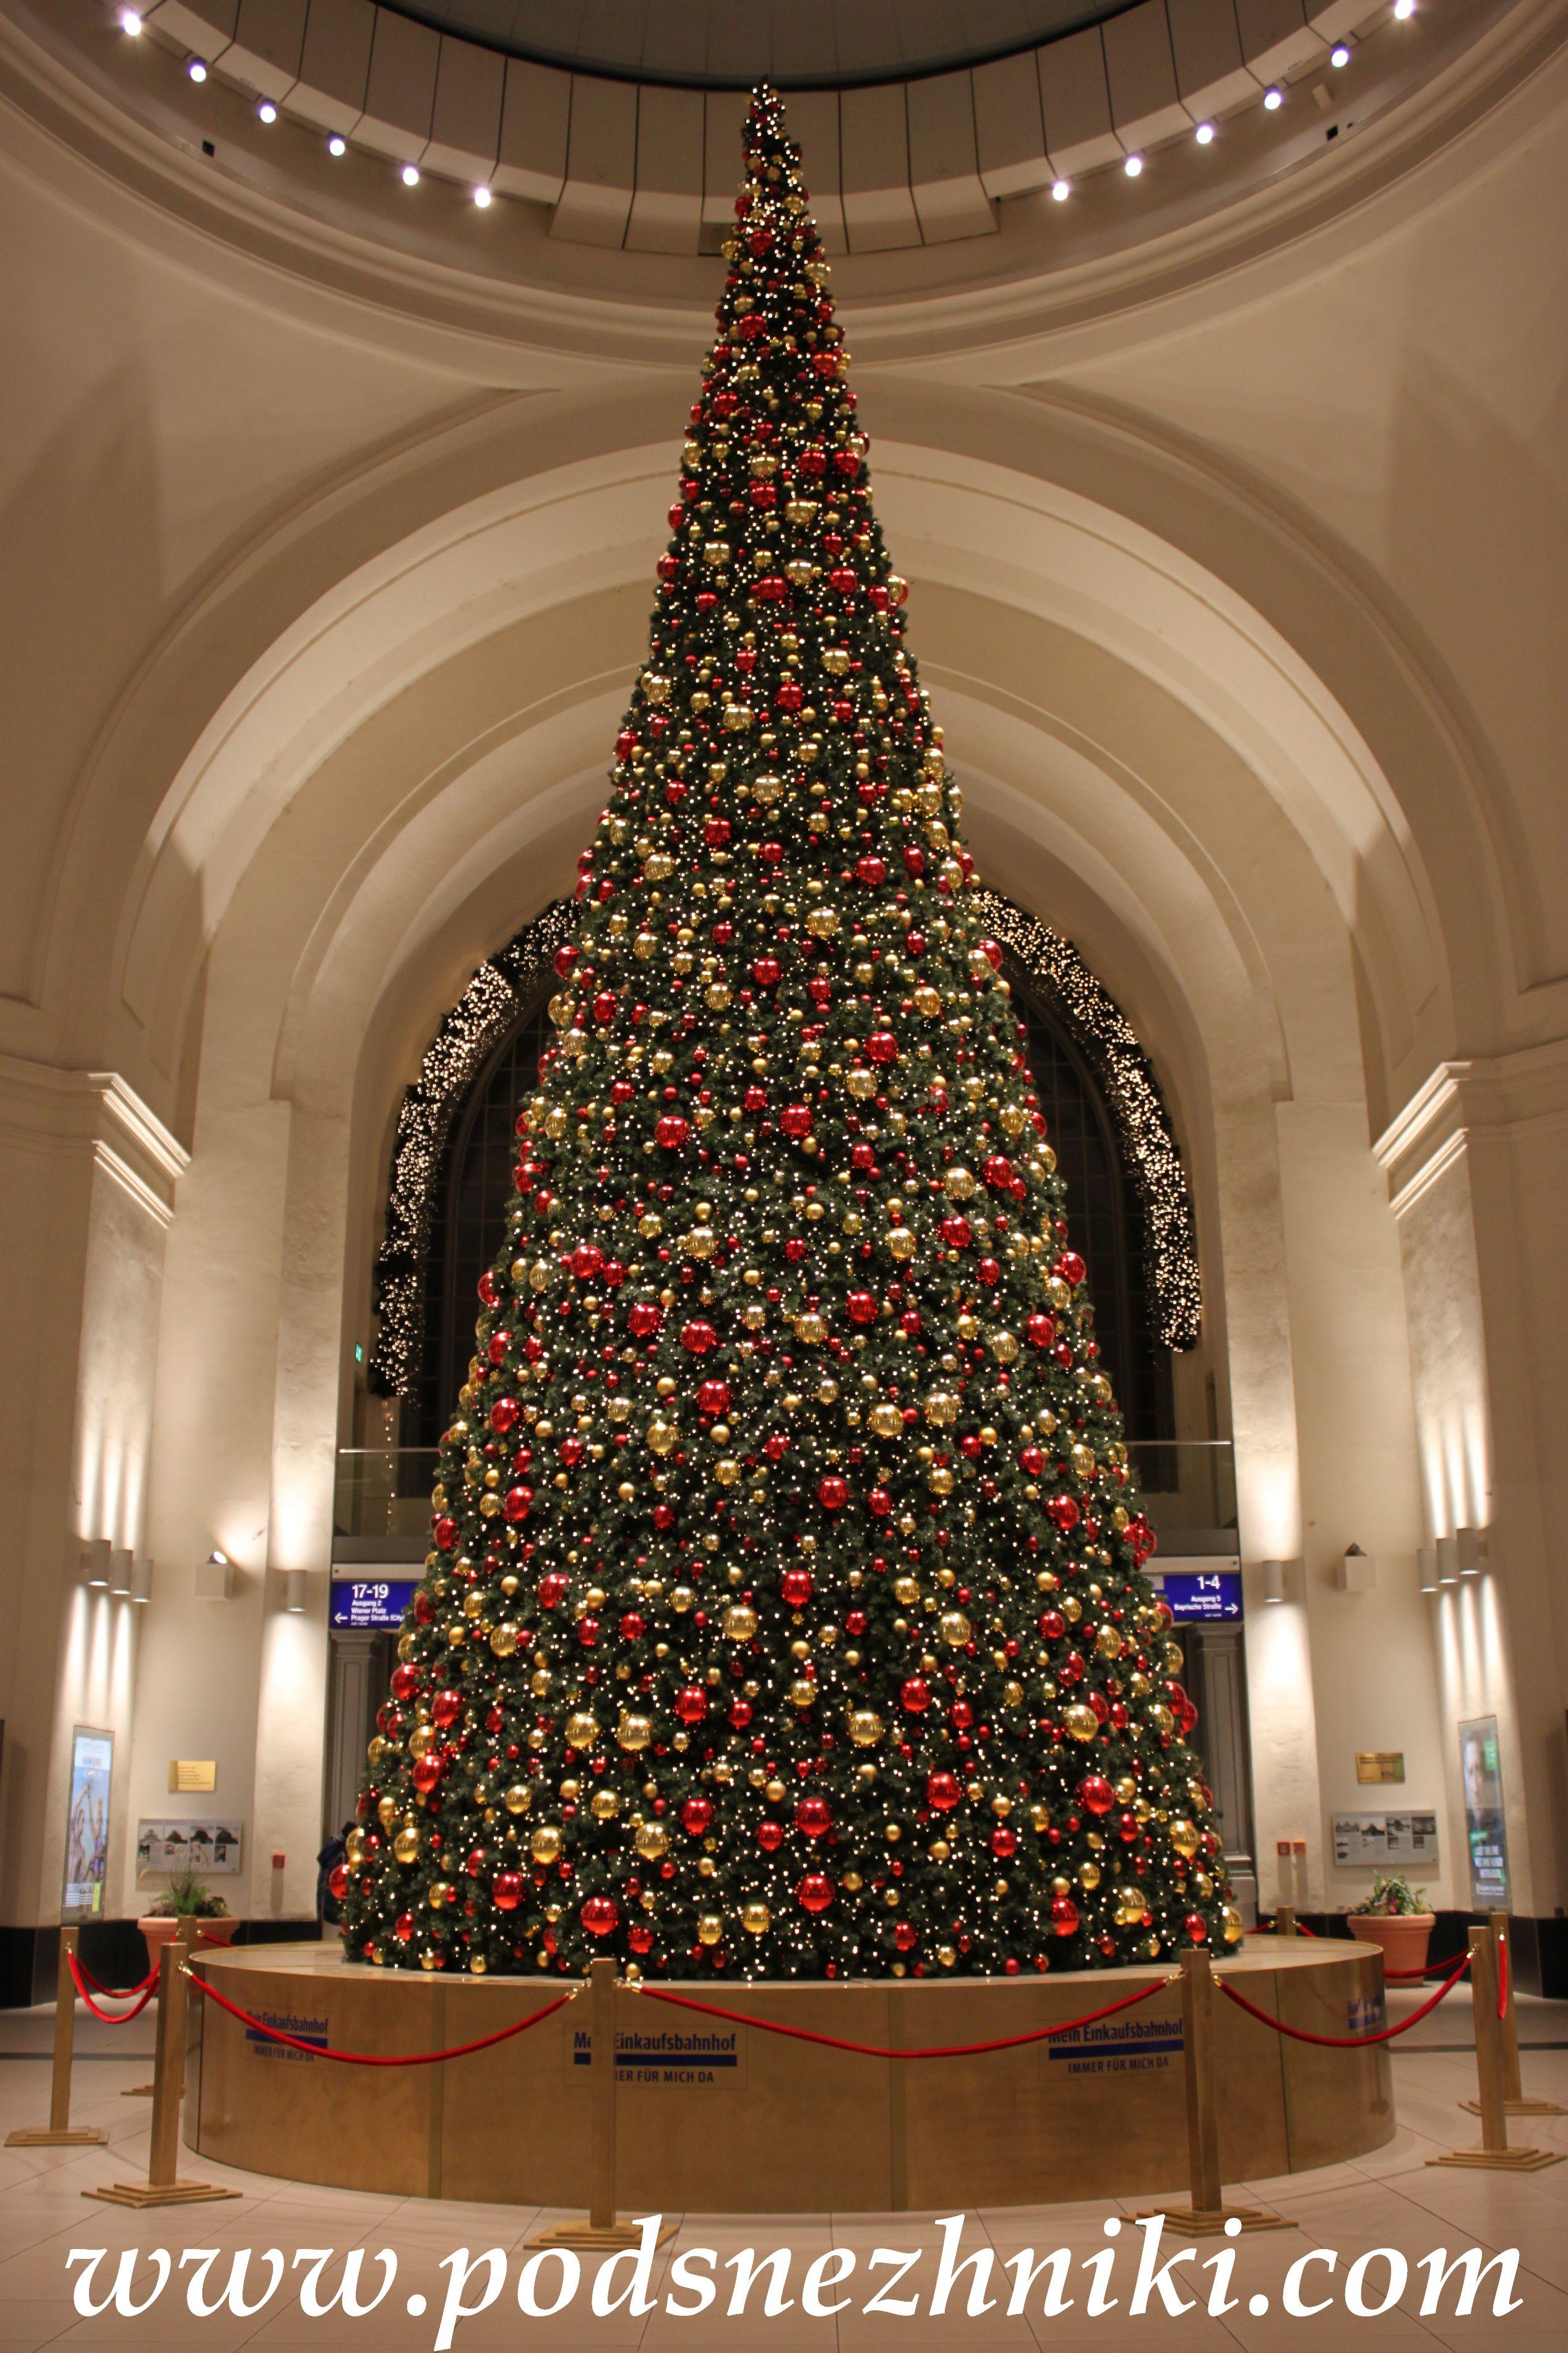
x,y
371,1603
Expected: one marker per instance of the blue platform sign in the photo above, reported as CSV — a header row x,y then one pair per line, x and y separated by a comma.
x,y
1202,1597
370,1603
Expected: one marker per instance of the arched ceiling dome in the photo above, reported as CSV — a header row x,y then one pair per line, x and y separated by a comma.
x,y
794,44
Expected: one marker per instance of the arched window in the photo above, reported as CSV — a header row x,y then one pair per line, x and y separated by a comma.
x,y
452,1172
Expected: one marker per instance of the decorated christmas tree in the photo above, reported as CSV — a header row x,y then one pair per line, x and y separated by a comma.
x,y
784,1614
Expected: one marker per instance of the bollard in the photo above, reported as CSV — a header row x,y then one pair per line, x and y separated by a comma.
x,y
1513,2099
162,2186
59,2132
1208,2213
602,2229
1494,2152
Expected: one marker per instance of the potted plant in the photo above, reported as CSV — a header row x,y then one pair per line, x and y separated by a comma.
x,y
186,1898
1394,1915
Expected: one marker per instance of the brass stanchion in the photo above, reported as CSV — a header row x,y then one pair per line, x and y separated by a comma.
x,y
1284,1919
1513,2099
1494,2152
601,2231
59,2132
162,2186
1208,2213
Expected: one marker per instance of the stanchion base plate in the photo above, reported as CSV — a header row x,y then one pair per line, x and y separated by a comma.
x,y
1519,2108
598,2238
139,2092
72,2137
141,2193
1502,2160
1209,2223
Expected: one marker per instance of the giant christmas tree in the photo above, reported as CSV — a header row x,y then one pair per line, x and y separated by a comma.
x,y
783,1613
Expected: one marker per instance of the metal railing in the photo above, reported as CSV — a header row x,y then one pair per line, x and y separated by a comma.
x,y
384,1491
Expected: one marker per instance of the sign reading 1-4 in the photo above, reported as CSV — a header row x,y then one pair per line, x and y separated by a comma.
x,y
1200,1597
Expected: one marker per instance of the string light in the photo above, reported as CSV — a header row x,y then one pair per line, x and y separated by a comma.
x,y
1053,969
496,998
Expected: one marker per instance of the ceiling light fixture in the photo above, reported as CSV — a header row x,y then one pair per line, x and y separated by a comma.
x,y
1340,54
337,144
1204,133
197,69
1273,99
482,198
411,176
130,22
1061,190
1403,9
267,111
1132,166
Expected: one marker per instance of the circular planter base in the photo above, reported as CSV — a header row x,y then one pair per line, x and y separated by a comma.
x,y
716,2118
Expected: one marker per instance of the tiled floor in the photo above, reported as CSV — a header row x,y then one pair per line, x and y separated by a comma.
x,y
1390,2201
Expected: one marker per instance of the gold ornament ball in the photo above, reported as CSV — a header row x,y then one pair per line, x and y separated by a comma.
x,y
503,1641
634,1732
802,1692
709,1928
865,1727
518,1799
955,1629
544,1846
605,1805
756,1919
651,1841
740,1622
405,1846
1081,1722
1232,1926
581,1731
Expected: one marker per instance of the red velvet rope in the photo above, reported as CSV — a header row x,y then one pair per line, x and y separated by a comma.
x,y
1345,2041
116,1993
377,2058
144,1993
871,2051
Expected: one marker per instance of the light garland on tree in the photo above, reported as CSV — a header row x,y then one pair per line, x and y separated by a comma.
x,y
1054,968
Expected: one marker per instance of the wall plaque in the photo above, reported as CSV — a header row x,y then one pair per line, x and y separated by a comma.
x,y
1380,1765
195,1775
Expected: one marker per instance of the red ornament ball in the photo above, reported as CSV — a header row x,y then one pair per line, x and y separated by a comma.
x,y
699,1337
914,1696
1095,1794
601,1916
697,1816
943,1791
506,1888
690,1704
815,1893
832,1492
813,1816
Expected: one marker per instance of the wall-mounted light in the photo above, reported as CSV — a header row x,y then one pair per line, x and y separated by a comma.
x,y
141,1580
1448,1560
1273,1580
1356,1572
296,1588
119,1572
93,1561
1472,1546
1426,1569
216,1579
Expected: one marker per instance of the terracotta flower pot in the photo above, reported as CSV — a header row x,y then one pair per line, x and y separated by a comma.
x,y
1404,1937
158,1929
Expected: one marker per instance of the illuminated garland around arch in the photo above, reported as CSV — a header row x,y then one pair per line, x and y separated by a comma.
x,y
500,994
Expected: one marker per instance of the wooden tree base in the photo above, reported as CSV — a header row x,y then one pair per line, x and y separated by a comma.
x,y
72,2137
